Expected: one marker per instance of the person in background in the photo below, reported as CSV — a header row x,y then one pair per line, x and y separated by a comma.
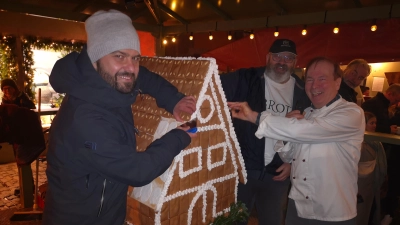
x,y
355,73
365,91
323,145
12,95
372,170
276,89
391,201
379,106
92,157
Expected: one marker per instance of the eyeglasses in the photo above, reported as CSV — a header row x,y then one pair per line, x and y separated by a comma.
x,y
278,57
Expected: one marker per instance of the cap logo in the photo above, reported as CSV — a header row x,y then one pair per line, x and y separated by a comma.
x,y
286,43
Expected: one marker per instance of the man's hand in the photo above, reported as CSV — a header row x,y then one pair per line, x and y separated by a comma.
x,y
285,168
242,110
187,105
186,128
295,114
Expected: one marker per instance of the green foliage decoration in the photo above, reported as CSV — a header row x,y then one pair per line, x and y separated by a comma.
x,y
30,43
237,213
8,62
8,66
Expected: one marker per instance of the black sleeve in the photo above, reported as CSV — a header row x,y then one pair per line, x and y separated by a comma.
x,y
119,161
166,94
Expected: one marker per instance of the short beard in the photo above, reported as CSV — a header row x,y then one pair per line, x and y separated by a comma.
x,y
124,88
278,78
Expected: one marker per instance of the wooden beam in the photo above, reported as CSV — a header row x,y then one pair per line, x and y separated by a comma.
x,y
171,13
152,11
84,5
37,10
218,11
348,15
278,7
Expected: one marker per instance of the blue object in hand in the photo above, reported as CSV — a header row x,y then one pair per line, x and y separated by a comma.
x,y
192,130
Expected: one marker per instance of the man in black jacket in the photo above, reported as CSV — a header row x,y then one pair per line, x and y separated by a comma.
x,y
379,105
273,88
356,72
92,155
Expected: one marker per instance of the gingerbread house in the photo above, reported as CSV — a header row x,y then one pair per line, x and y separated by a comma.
x,y
202,181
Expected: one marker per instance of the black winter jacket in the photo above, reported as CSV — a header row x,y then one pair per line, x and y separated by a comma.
x,y
92,155
348,93
249,85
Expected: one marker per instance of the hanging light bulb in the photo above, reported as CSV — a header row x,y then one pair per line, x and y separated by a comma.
x,y
251,35
276,33
191,36
374,27
165,41
210,36
229,36
336,29
304,31
173,39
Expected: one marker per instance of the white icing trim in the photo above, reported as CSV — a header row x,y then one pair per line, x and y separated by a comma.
x,y
226,145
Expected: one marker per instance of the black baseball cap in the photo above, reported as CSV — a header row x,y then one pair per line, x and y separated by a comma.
x,y
283,45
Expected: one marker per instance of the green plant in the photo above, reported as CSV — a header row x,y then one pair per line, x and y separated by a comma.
x,y
237,213
57,99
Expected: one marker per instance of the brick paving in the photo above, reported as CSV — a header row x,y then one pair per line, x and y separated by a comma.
x,y
9,182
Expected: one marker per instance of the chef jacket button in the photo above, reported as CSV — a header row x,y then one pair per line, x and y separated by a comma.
x,y
306,197
304,160
305,179
294,177
294,159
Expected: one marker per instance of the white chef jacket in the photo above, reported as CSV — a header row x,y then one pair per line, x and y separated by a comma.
x,y
325,148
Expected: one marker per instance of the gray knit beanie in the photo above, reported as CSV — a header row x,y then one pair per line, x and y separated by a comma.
x,y
109,31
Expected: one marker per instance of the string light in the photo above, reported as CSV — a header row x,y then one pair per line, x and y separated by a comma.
x,y
336,29
304,31
374,27
210,36
276,33
173,39
251,35
229,36
191,36
165,41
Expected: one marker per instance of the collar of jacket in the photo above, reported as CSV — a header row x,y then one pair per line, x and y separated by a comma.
x,y
337,97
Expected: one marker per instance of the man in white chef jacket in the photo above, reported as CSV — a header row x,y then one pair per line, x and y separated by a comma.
x,y
323,144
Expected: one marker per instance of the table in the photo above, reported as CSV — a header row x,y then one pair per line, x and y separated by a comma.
x,y
48,111
382,137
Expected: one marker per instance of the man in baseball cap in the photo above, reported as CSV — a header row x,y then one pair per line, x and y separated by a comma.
x,y
273,88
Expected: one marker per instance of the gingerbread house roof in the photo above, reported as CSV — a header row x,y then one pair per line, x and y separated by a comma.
x,y
201,183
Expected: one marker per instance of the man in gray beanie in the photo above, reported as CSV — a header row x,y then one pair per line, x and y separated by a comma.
x,y
92,154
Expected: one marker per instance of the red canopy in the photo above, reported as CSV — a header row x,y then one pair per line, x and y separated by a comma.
x,y
355,40
147,44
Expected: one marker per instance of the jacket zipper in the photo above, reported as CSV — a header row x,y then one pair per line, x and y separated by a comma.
x,y
87,181
102,196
